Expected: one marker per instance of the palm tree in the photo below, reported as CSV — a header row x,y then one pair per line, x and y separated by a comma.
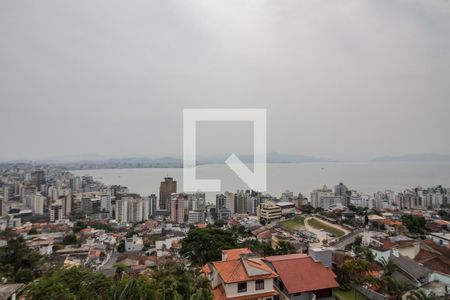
x,y
419,294
397,288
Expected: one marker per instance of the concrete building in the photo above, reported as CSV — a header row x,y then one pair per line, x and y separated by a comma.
x,y
105,203
86,205
316,195
27,194
134,243
38,204
287,208
153,204
196,217
122,210
56,213
166,189
326,201
178,207
269,212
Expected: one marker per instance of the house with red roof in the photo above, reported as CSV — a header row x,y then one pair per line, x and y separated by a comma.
x,y
241,276
301,277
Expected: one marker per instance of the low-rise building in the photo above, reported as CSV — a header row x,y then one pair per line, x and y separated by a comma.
x,y
269,212
242,278
134,243
301,277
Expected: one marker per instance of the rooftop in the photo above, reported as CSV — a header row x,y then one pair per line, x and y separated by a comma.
x,y
300,273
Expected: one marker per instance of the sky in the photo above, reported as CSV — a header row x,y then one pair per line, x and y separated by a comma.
x,y
339,79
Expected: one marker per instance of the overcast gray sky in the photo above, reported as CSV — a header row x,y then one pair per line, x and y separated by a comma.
x,y
342,79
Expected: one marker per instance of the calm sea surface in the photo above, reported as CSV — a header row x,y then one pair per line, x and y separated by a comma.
x,y
305,177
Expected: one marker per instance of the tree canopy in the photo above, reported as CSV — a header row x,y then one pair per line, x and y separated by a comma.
x,y
202,245
18,263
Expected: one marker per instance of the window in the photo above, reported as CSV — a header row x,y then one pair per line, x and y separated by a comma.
x,y
259,284
242,287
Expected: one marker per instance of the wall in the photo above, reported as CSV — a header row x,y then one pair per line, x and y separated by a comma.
x,y
231,289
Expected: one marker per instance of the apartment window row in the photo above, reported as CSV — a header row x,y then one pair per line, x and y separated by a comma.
x,y
242,286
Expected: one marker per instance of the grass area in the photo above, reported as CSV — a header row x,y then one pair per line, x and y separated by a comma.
x,y
296,223
321,225
348,295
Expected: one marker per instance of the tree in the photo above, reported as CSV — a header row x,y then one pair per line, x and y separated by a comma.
x,y
70,239
203,245
306,209
219,223
78,226
419,294
172,281
121,246
74,283
415,224
356,272
284,247
395,288
18,263
32,231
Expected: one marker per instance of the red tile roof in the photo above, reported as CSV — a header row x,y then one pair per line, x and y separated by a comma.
x,y
233,254
434,257
300,273
234,270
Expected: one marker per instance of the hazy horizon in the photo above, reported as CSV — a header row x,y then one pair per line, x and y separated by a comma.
x,y
347,80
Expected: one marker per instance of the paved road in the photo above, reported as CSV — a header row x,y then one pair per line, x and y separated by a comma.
x,y
112,260
348,239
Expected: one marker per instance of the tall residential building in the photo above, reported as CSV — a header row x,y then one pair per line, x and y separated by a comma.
x,y
343,191
105,203
135,210
178,207
86,205
242,202
166,189
224,204
38,178
131,210
38,204
27,194
67,204
411,199
56,213
122,210
2,207
197,201
152,204
435,197
316,195
75,184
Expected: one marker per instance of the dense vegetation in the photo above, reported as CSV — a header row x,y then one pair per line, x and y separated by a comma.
x,y
206,245
18,263
172,281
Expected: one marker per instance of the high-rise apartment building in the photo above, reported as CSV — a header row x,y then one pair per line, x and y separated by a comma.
x,y
178,208
316,195
27,194
132,210
56,213
166,189
37,205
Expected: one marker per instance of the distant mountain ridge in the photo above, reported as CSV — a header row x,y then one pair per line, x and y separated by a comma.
x,y
99,162
422,157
